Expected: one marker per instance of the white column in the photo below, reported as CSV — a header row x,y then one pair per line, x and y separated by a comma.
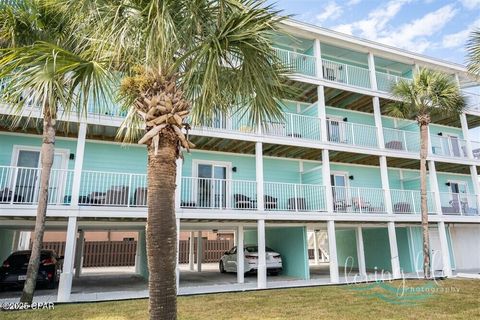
x,y
432,174
141,261
326,180
191,253
377,113
385,184
24,241
262,256
199,251
361,253
178,257
371,69
178,182
322,113
332,248
79,253
476,184
318,58
240,255
447,267
466,136
259,175
16,240
65,284
77,173
392,239
315,247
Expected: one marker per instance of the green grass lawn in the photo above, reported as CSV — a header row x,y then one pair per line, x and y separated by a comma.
x,y
332,302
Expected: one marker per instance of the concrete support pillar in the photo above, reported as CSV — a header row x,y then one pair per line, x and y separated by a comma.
x,y
447,266
240,255
191,251
262,256
322,113
476,183
392,237
24,241
377,113
361,253
177,269
315,247
385,184
77,173
178,182
65,284
432,175
79,253
318,58
371,68
16,241
199,251
259,175
332,248
326,180
141,263
466,136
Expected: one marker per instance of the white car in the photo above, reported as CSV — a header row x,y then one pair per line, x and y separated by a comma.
x,y
228,262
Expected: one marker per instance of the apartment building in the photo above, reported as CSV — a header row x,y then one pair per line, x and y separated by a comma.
x,y
338,175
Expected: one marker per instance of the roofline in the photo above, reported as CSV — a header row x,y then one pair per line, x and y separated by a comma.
x,y
373,45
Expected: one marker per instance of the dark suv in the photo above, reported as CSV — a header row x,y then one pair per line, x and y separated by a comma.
x,y
13,272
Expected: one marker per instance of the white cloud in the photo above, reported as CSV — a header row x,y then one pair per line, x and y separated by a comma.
x,y
330,12
353,2
471,4
458,39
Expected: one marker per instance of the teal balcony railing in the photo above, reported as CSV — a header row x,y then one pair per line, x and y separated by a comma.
x,y
386,81
408,201
294,197
350,133
345,73
298,62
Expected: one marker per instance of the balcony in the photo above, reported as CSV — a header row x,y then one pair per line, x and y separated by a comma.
x,y
353,134
459,203
346,74
294,126
298,62
408,201
358,200
294,197
475,149
401,140
386,81
449,146
473,101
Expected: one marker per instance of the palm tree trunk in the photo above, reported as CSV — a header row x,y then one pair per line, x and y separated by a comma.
x,y
161,227
423,197
47,155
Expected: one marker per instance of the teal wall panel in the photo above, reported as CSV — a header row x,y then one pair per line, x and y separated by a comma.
x,y
347,248
6,242
435,129
377,249
443,178
354,117
250,237
291,243
404,254
416,247
115,158
281,170
363,176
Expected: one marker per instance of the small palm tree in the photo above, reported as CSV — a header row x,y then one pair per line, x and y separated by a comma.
x,y
183,62
44,68
430,93
473,53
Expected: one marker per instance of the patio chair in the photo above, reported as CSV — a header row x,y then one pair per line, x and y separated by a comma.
x,y
402,207
270,202
97,197
117,195
140,196
394,144
340,206
359,204
297,204
242,201
5,195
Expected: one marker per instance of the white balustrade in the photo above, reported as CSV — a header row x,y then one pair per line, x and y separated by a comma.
x,y
386,81
448,146
294,126
354,134
401,140
358,200
459,203
346,73
409,201
294,197
298,62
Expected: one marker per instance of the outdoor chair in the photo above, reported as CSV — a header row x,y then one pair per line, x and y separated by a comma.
x,y
359,204
97,197
394,144
117,195
297,204
402,207
270,202
140,196
242,201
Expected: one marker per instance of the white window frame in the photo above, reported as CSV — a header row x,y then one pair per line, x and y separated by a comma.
x,y
226,164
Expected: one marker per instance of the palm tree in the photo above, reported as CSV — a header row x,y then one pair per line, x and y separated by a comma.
x,y
473,53
429,94
183,62
42,66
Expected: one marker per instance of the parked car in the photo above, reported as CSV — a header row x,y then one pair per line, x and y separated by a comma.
x,y
13,271
228,262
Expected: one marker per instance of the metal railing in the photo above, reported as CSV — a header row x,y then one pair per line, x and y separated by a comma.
x,y
408,201
473,101
449,146
345,73
401,140
386,81
236,121
294,126
359,200
208,193
294,197
298,62
354,134
475,149
459,203
20,185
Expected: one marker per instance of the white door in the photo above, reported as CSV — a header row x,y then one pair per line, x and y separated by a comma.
x,y
212,185
459,200
435,251
336,130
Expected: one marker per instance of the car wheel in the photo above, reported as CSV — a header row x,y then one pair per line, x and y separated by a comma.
x,y
222,268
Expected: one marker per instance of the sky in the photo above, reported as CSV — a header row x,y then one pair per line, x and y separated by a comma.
x,y
432,27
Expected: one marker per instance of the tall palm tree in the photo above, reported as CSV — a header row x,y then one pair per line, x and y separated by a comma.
x,y
183,61
473,53
45,68
429,94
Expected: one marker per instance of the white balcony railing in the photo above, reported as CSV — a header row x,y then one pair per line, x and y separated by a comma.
x,y
459,203
360,200
294,126
354,134
408,201
294,197
473,101
401,140
298,62
449,146
475,149
386,81
20,185
345,73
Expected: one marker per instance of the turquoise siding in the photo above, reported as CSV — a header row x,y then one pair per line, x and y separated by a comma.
x,y
363,176
281,170
404,255
443,178
314,174
347,248
435,129
353,117
401,124
115,158
6,242
377,249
